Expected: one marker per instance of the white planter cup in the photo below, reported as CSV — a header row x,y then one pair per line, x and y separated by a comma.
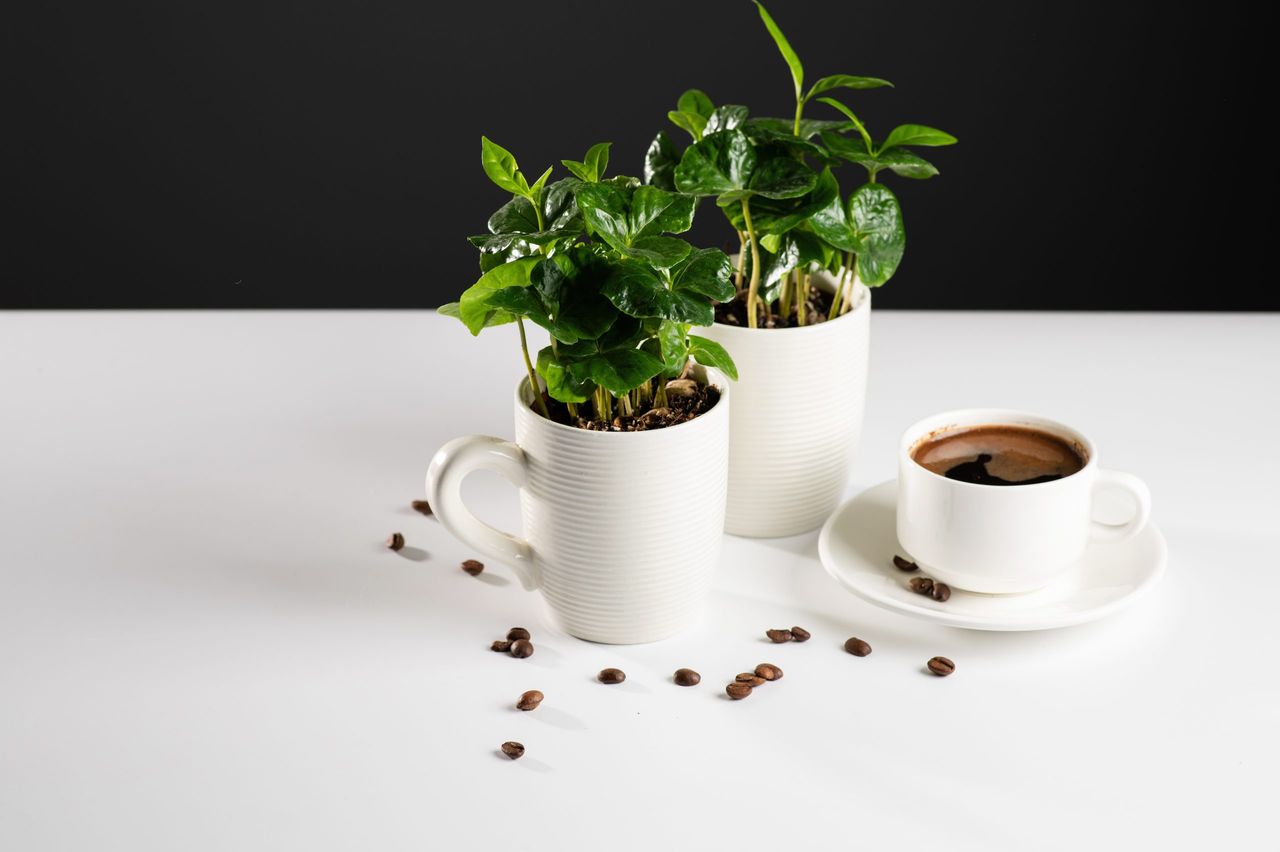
x,y
622,529
796,418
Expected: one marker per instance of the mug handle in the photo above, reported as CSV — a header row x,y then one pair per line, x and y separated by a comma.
x,y
1141,498
449,468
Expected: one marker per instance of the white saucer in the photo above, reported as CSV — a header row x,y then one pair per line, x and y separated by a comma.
x,y
859,540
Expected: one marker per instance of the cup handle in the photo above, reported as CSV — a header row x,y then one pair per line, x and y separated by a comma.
x,y
449,468
1142,502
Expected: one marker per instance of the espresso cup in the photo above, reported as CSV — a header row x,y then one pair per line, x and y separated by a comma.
x,y
1005,540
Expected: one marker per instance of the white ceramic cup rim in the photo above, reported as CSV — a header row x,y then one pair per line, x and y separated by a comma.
x,y
967,418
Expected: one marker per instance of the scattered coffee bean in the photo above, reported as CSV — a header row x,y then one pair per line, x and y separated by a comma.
x,y
687,677
518,633
769,671
904,564
738,691
779,636
799,634
513,750
921,585
857,647
530,700
941,666
500,645
611,676
395,541
750,679
522,648
941,592
422,506
473,567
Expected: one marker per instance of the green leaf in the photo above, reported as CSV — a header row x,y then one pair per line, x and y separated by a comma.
x,y
571,295
917,134
473,307
696,102
670,343
618,370
763,134
782,177
655,211
707,273
725,117
636,290
520,302
797,249
662,252
579,170
660,162
845,81
449,309
718,164
902,162
831,223
793,61
501,167
560,384
849,148
560,206
809,127
857,123
597,159
535,191
514,217
708,353
604,207
877,222
690,122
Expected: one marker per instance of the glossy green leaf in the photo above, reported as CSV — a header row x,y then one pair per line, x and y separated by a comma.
x,y
831,223
845,81
718,164
697,102
708,273
578,169
449,309
851,148
560,384
604,207
520,302
500,166
796,249
597,159
535,191
725,117
857,122
635,289
902,162
809,127
571,296
782,140
782,177
877,223
473,307
670,343
617,370
784,47
917,134
655,211
660,162
708,353
662,252
690,122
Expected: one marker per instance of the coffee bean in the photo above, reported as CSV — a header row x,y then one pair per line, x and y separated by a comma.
x,y
738,691
799,634
500,645
513,750
941,592
422,506
750,679
687,677
518,633
779,636
472,567
904,564
395,541
522,648
921,585
857,647
611,676
530,700
941,666
769,671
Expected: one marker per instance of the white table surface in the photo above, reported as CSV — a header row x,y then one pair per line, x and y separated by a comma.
x,y
204,644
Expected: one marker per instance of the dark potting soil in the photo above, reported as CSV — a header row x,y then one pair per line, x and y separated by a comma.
x,y
817,306
685,401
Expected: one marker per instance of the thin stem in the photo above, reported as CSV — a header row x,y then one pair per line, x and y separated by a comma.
x,y
802,297
534,387
848,298
795,130
742,259
784,300
753,291
660,398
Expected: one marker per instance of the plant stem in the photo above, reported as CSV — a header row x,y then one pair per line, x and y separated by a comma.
x,y
534,387
753,292
795,130
660,398
784,300
742,259
840,281
573,409
802,297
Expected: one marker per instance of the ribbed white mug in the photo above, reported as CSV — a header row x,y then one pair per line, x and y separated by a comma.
x,y
622,529
1005,539
796,418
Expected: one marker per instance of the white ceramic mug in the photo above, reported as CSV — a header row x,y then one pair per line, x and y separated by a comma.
x,y
1005,539
622,529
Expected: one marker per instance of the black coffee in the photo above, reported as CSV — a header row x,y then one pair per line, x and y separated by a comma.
x,y
998,455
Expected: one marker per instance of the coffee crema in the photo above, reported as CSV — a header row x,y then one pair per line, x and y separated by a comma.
x,y
998,455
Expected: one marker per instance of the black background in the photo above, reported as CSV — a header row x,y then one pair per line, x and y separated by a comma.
x,y
322,154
